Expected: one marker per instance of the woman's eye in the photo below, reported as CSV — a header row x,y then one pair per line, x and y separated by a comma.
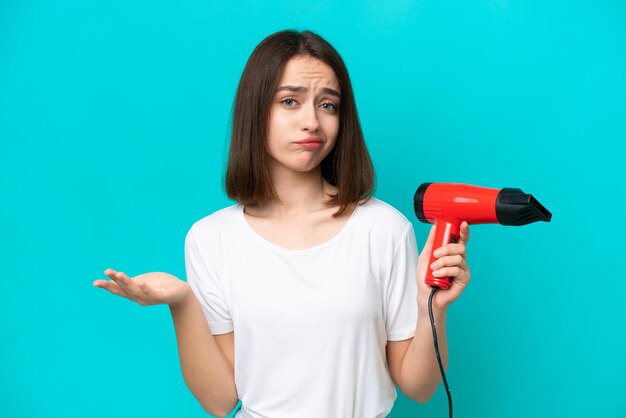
x,y
288,101
329,106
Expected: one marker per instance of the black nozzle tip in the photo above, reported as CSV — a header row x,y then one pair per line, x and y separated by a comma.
x,y
514,207
418,202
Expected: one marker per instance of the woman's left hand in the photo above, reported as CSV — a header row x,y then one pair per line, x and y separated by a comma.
x,y
450,262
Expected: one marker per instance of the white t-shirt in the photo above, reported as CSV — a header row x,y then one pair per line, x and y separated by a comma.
x,y
310,325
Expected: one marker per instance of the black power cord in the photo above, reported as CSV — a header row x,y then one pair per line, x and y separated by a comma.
x,y
443,374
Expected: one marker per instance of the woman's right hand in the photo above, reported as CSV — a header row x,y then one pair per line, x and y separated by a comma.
x,y
146,289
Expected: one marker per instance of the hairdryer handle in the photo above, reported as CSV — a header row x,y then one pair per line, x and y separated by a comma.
x,y
446,232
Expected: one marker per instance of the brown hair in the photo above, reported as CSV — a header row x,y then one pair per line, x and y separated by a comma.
x,y
348,165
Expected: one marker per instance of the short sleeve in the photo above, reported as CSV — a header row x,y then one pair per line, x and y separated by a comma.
x,y
401,292
206,285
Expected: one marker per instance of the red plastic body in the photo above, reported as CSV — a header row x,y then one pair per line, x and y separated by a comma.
x,y
447,205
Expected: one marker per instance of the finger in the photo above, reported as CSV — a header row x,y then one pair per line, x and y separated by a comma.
x,y
140,291
464,238
115,277
447,261
448,272
450,249
127,284
111,287
110,272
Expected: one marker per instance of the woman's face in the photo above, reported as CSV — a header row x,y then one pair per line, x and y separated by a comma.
x,y
305,106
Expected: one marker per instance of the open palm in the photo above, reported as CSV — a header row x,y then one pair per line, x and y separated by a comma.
x,y
145,289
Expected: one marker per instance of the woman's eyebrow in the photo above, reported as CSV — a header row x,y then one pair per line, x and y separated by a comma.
x,y
301,89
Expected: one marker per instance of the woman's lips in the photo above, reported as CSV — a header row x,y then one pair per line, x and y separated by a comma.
x,y
310,144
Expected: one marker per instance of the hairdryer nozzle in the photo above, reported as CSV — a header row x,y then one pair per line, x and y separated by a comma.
x,y
514,207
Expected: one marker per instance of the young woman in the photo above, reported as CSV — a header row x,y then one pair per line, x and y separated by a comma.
x,y
306,298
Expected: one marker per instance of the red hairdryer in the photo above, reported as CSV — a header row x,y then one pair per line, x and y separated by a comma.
x,y
447,205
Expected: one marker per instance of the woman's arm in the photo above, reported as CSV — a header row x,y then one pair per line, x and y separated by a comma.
x,y
418,374
207,371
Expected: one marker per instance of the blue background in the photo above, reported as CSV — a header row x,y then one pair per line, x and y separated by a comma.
x,y
113,129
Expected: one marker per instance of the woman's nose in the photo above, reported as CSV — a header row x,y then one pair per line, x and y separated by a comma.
x,y
310,118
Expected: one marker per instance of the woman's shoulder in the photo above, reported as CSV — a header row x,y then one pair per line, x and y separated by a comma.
x,y
383,215
219,219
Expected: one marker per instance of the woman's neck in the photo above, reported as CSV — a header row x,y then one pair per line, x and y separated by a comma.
x,y
299,192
